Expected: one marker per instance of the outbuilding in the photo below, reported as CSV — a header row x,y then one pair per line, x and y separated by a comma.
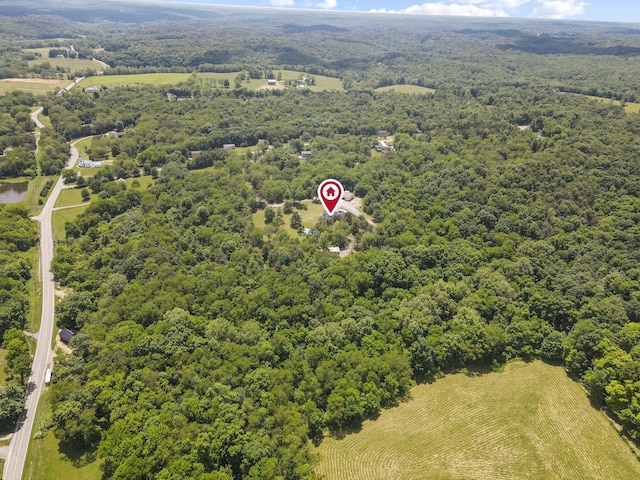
x,y
66,334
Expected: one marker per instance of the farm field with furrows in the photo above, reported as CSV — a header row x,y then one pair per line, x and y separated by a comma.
x,y
528,422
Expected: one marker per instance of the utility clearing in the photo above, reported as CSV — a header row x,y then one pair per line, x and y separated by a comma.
x,y
528,422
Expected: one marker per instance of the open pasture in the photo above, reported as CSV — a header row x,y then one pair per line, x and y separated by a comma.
x,y
35,85
405,89
321,82
73,64
629,107
528,422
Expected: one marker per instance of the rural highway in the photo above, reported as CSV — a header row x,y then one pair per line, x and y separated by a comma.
x,y
43,358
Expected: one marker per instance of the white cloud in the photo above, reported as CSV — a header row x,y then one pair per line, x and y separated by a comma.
x,y
441,8
327,4
281,3
492,3
558,9
505,3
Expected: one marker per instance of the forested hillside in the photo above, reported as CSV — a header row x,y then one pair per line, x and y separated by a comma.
x,y
504,224
208,344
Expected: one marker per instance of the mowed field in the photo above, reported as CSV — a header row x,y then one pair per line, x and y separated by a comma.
x,y
73,64
629,107
529,422
405,89
321,82
35,85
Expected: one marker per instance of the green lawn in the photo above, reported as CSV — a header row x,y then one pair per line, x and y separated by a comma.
x,y
529,422
145,181
61,217
405,89
71,196
309,217
46,461
82,146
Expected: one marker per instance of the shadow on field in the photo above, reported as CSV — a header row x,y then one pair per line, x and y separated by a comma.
x,y
78,457
343,432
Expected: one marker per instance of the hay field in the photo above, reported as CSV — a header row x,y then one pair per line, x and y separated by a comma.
x,y
322,82
35,85
529,422
405,89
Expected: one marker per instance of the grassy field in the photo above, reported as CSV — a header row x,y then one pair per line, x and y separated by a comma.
x,y
529,422
46,461
34,286
60,217
82,146
135,79
628,107
71,196
405,89
145,181
35,85
72,64
3,375
32,198
309,217
322,83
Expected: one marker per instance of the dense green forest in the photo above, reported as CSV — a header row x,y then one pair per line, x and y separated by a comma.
x,y
212,347
18,234
491,243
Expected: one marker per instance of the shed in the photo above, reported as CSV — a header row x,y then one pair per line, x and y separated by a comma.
x,y
271,82
229,146
334,249
305,154
66,334
347,196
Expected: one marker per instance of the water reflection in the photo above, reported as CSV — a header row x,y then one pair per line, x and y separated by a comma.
x,y
13,192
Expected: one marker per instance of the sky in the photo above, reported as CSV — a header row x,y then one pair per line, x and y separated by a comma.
x,y
591,10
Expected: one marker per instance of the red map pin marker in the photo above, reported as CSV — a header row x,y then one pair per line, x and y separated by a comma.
x,y
330,193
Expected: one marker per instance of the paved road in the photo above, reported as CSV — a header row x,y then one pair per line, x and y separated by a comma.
x,y
43,358
70,86
36,120
355,209
105,65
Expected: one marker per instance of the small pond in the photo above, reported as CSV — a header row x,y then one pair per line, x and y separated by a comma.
x,y
13,192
